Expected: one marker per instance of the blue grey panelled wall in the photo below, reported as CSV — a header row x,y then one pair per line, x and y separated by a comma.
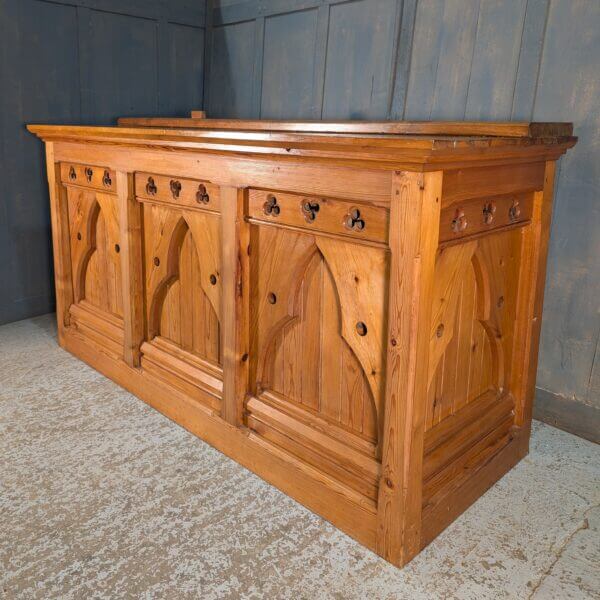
x,y
442,59
81,61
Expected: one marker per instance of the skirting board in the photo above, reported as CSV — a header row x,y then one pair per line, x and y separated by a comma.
x,y
576,418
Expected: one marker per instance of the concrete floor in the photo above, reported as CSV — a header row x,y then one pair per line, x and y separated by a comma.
x,y
102,497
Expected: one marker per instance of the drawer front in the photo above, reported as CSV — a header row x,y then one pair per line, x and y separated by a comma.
x,y
191,193
358,221
481,215
89,176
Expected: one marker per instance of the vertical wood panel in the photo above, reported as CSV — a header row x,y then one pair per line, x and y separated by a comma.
x,y
358,73
289,62
182,78
87,61
403,56
569,89
529,58
427,39
495,60
457,43
232,71
121,78
39,83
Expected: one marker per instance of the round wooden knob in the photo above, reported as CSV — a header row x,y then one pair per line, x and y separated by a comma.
x,y
117,248
156,261
213,279
271,298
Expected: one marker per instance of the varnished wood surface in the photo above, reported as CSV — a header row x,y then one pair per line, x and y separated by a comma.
x,y
379,151
362,336
427,128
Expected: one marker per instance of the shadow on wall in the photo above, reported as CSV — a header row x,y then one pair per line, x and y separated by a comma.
x,y
145,59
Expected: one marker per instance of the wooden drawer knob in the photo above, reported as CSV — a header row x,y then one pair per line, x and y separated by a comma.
x,y
72,174
271,298
213,279
361,329
271,207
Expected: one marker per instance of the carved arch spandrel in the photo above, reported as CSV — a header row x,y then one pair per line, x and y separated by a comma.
x,y
454,265
169,229
451,264
284,257
360,275
83,217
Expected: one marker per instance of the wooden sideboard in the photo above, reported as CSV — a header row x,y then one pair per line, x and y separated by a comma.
x,y
351,310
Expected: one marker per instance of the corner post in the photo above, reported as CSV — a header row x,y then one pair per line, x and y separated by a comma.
x,y
414,232
235,241
532,280
130,226
61,245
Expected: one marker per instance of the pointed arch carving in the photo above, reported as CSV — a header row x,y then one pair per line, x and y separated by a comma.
x,y
184,240
467,355
94,237
313,314
85,211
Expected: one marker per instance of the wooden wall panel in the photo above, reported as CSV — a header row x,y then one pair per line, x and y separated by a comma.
x,y
569,88
288,65
182,76
231,68
360,55
86,61
447,59
38,82
120,78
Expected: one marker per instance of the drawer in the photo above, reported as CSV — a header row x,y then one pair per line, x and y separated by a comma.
x,y
339,217
91,176
480,215
190,193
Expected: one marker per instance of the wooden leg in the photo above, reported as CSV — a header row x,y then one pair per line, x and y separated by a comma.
x,y
414,230
130,225
59,214
235,303
532,279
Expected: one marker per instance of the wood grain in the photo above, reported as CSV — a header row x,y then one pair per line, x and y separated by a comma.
x,y
414,216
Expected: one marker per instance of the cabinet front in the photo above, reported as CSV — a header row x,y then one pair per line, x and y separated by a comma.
x,y
94,241
182,264
317,327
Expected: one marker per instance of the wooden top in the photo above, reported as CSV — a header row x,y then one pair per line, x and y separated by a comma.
x,y
375,144
412,128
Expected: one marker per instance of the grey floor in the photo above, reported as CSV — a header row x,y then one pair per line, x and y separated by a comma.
x,y
102,497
